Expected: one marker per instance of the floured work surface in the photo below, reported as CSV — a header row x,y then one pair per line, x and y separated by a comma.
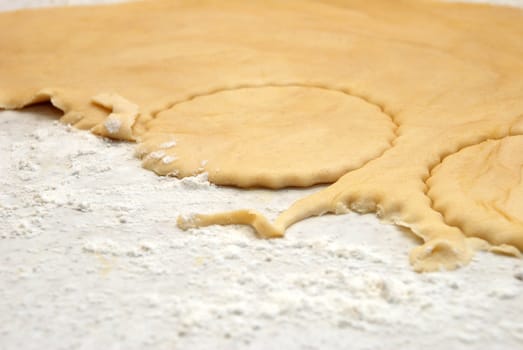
x,y
415,109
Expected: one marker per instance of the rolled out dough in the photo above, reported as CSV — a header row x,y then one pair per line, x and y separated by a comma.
x,y
414,109
272,136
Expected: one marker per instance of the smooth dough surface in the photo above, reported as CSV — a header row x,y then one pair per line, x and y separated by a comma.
x,y
273,136
414,109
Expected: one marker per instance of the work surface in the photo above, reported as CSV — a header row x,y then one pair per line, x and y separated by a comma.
x,y
108,268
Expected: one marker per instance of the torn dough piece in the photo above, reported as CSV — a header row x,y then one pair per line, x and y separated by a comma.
x,y
399,102
118,125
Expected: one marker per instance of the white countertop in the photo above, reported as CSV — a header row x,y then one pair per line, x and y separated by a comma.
x,y
90,258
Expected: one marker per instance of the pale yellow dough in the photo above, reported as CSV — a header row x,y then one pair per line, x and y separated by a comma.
x,y
414,109
272,136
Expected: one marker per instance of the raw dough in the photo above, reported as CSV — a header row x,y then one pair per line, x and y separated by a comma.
x,y
272,136
419,102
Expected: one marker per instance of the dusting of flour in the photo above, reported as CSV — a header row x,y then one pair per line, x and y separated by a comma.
x,y
90,255
112,125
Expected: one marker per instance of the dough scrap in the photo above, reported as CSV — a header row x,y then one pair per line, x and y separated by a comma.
x,y
118,125
439,87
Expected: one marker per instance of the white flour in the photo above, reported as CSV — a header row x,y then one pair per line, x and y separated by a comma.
x,y
112,125
90,257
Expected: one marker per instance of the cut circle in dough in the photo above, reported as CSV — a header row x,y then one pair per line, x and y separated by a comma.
x,y
270,136
483,181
